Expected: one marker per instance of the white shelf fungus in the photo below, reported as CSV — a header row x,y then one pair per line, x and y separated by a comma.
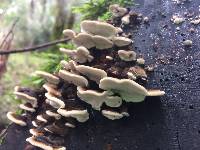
x,y
129,90
14,118
73,78
96,99
79,115
48,76
98,28
91,73
127,55
113,115
121,41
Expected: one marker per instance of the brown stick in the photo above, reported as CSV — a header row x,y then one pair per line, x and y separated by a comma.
x,y
29,49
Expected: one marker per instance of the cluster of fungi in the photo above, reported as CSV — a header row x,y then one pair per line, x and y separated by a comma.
x,y
104,73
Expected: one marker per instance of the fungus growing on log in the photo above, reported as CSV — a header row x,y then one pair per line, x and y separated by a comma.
x,y
112,115
103,74
16,119
127,55
96,99
27,107
49,77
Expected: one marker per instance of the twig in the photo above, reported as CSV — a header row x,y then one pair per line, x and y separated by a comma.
x,y
9,33
35,48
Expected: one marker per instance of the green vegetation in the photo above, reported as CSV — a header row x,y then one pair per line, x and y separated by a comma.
x,y
94,9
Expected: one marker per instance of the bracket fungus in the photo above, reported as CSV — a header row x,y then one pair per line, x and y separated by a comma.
x,y
84,39
96,99
129,90
51,89
98,28
28,98
100,76
49,77
27,107
73,78
81,55
126,19
69,33
53,114
59,102
127,55
93,74
16,119
79,115
113,115
121,41
43,145
102,42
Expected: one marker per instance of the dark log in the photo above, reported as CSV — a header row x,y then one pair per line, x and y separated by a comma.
x,y
169,123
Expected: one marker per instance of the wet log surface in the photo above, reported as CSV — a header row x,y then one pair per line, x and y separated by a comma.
x,y
169,123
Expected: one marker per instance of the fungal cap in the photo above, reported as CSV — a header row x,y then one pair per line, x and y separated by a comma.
x,y
65,65
80,115
69,65
92,73
34,124
51,89
121,41
55,100
109,58
42,145
35,132
13,117
98,28
83,55
141,61
84,39
73,78
102,42
69,33
113,115
26,97
49,77
129,90
131,76
178,20
96,99
187,43
53,114
119,30
41,118
138,72
69,125
27,107
126,19
127,55
155,93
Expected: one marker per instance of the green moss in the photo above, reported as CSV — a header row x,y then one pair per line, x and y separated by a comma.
x,y
94,9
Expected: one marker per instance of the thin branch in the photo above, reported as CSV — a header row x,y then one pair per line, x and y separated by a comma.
x,y
35,48
10,32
